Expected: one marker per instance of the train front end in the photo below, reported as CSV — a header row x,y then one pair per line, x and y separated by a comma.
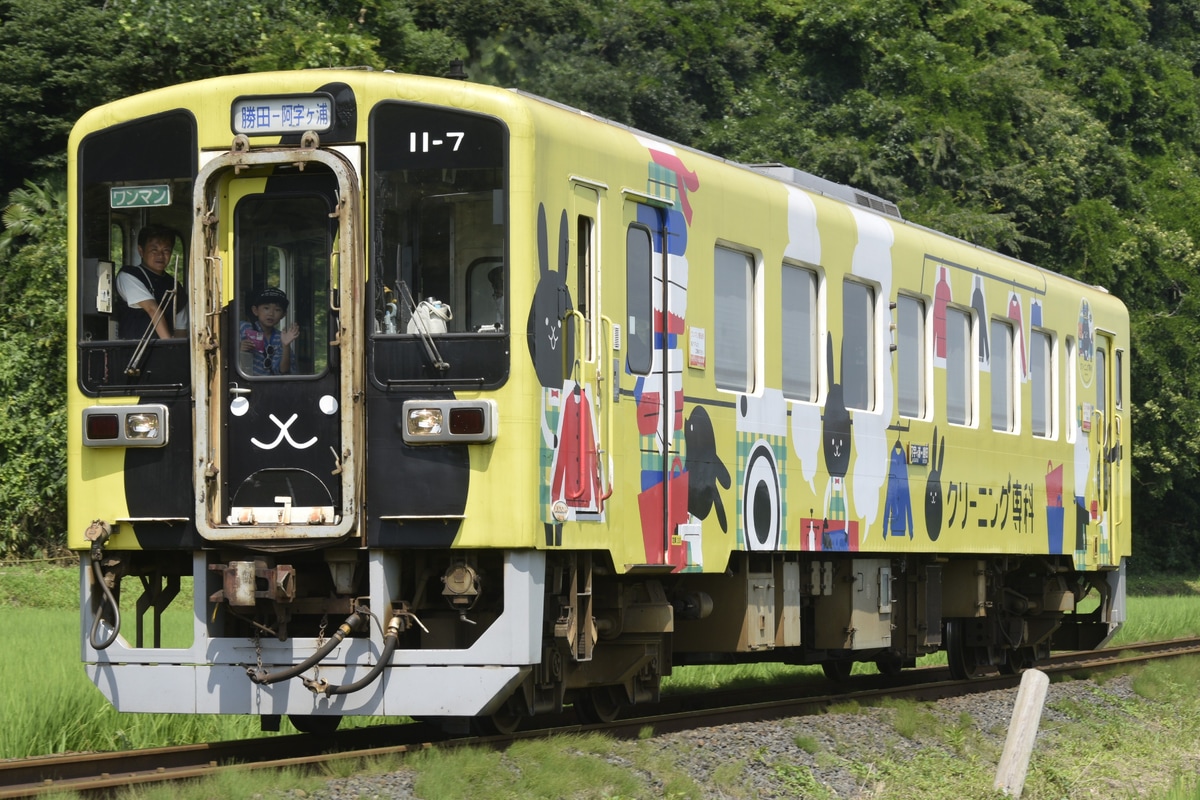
x,y
337,331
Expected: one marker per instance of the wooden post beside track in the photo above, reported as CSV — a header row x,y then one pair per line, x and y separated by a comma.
x,y
1022,730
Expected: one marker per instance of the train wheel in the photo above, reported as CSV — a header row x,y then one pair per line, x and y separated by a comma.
x,y
961,659
1017,660
889,665
317,724
837,670
499,724
1028,658
599,704
502,722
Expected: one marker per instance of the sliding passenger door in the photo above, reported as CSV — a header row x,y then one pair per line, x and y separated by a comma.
x,y
583,472
652,336
1105,454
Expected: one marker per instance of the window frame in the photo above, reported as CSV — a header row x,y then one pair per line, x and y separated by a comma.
x,y
871,371
1051,393
924,356
750,321
970,365
640,273
1118,378
1072,358
1008,372
815,329
585,302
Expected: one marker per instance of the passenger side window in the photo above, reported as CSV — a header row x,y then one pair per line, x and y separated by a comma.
x,y
858,345
1041,379
734,293
639,353
800,336
1071,371
959,367
910,355
1003,405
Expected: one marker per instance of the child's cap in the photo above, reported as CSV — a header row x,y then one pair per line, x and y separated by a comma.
x,y
271,294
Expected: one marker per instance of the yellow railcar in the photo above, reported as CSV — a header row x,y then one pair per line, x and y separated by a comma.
x,y
454,402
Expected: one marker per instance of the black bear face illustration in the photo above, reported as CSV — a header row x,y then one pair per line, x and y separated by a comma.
x,y
835,425
933,489
705,469
548,340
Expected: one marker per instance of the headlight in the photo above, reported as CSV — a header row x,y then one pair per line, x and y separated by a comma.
x,y
449,421
125,426
143,425
424,422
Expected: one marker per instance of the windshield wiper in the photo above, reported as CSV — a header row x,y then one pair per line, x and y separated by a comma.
x,y
420,323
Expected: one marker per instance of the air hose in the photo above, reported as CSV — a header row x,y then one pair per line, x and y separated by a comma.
x,y
390,640
353,622
98,533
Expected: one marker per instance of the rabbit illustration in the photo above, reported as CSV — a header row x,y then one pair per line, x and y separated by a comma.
x,y
835,425
548,344
835,444
551,302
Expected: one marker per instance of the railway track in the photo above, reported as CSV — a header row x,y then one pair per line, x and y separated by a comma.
x,y
105,771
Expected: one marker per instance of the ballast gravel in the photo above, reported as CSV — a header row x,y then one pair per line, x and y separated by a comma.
x,y
766,756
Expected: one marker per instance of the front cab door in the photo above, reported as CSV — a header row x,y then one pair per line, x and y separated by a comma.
x,y
277,455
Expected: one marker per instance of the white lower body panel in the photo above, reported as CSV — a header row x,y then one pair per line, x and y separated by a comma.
x,y
399,691
209,677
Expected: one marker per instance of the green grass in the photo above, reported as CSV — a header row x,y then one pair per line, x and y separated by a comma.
x,y
909,717
588,766
1162,585
39,585
53,707
1160,617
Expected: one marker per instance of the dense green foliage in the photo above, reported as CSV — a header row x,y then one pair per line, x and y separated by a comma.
x,y
1065,132
33,370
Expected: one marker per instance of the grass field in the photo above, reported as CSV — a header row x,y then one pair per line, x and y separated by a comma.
x,y
51,707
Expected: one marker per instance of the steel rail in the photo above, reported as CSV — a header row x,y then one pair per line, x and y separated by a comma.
x,y
926,683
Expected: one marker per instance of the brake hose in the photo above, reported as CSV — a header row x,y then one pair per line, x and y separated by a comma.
x,y
98,533
352,623
390,640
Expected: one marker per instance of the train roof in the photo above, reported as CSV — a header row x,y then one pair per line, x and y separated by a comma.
x,y
783,173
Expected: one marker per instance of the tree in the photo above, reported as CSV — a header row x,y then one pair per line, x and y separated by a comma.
x,y
33,370
1065,132
60,57
63,57
37,212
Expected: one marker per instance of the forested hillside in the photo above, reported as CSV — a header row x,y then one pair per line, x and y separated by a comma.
x,y
1064,132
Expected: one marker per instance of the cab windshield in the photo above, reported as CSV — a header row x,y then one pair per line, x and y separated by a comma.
x,y
135,189
439,245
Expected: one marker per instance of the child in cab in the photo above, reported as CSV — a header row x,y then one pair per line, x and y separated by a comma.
x,y
265,346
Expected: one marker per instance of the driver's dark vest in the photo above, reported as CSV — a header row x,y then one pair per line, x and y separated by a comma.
x,y
132,321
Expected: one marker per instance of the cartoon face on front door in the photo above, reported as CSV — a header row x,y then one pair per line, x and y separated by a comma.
x,y
282,440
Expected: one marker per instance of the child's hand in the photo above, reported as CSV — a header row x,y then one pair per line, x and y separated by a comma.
x,y
289,335
247,344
